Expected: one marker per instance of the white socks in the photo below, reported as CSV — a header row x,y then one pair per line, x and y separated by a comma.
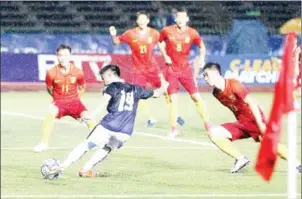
x,y
76,154
97,157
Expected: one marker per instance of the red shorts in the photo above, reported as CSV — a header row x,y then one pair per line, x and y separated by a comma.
x,y
72,108
148,78
243,129
186,79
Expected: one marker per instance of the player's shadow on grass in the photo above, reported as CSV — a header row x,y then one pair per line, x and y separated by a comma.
x,y
100,174
55,182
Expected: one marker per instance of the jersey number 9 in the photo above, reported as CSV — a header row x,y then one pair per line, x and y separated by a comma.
x,y
126,101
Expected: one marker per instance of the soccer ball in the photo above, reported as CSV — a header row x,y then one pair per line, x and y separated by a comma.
x,y
48,166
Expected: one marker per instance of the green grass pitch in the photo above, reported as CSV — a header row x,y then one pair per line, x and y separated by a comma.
x,y
147,167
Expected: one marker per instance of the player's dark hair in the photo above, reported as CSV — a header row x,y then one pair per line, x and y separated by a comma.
x,y
212,65
63,46
114,68
143,13
182,9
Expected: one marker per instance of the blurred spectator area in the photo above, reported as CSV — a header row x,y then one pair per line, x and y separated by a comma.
x,y
97,16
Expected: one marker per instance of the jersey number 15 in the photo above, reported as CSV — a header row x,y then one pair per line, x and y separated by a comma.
x,y
126,101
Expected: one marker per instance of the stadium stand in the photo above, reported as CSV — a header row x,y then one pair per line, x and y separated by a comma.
x,y
96,16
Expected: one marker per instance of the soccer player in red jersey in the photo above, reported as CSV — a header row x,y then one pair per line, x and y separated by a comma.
x,y
142,40
176,41
250,118
66,84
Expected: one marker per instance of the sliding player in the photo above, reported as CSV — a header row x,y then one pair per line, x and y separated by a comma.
x,y
250,119
117,126
176,41
142,40
66,84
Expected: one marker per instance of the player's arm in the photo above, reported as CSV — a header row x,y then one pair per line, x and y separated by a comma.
x,y
123,38
202,53
81,90
145,93
163,89
156,36
162,49
81,84
256,112
114,38
50,90
162,46
201,59
297,93
159,92
49,85
241,92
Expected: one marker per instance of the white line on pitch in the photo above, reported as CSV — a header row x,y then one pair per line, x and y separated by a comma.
x,y
129,147
263,195
138,133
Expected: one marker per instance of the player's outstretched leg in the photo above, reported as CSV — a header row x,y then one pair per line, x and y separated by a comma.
x,y
47,128
200,106
97,157
107,142
221,138
77,153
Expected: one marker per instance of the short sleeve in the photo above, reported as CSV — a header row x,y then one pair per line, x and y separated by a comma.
x,y
48,79
124,37
143,93
196,38
110,90
81,78
162,35
239,89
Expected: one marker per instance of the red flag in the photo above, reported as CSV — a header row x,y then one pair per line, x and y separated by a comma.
x,y
283,103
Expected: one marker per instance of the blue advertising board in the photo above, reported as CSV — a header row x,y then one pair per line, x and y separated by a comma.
x,y
252,70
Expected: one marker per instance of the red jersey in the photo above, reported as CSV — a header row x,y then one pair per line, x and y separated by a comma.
x,y
65,86
178,45
142,45
233,97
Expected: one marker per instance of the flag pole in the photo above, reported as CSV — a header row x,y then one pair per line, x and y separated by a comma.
x,y
292,151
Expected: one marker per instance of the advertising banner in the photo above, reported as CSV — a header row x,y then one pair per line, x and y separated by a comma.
x,y
19,67
253,70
